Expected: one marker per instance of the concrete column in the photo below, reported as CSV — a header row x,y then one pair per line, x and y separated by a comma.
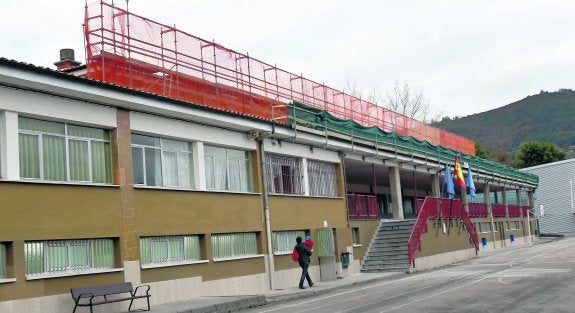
x,y
199,165
123,176
504,199
9,161
396,198
435,190
305,182
518,197
464,198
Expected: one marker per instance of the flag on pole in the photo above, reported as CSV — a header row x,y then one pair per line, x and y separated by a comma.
x,y
470,183
459,172
448,182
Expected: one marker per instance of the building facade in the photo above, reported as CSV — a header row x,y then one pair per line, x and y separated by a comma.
x,y
554,204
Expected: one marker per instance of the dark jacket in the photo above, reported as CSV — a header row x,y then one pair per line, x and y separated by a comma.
x,y
304,253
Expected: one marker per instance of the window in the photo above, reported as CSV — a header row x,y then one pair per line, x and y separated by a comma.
x,y
227,169
355,236
2,260
162,162
62,152
283,174
68,256
322,179
284,241
485,227
169,249
512,225
226,246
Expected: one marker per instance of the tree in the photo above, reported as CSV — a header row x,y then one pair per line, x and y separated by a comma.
x,y
503,156
534,153
401,99
480,151
411,103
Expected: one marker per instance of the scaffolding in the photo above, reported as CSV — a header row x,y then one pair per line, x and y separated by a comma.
x,y
132,51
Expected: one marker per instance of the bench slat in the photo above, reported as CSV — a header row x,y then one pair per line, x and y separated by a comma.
x,y
104,290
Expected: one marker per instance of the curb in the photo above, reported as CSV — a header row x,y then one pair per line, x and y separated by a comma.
x,y
310,292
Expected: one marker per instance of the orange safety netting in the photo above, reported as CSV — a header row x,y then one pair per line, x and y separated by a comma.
x,y
135,52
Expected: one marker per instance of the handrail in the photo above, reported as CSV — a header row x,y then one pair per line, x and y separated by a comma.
x,y
414,242
438,208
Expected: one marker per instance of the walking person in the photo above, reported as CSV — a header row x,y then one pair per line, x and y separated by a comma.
x,y
303,260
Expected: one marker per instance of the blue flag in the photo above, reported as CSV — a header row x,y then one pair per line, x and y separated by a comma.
x,y
470,183
448,182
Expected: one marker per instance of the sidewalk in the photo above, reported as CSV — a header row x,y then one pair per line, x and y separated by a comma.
x,y
238,303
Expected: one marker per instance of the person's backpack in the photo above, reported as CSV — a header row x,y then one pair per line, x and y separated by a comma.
x,y
295,255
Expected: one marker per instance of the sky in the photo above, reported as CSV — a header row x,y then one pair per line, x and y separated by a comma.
x,y
466,57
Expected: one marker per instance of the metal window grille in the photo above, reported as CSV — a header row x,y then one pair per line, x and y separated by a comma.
x,y
322,178
169,249
234,245
284,241
283,174
62,256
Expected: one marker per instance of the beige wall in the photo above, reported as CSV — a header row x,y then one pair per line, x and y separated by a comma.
x,y
53,212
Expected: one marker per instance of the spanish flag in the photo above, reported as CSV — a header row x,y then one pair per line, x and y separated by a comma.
x,y
459,172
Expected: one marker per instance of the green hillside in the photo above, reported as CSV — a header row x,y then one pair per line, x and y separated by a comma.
x,y
547,116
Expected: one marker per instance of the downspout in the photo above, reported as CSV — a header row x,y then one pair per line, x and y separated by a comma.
x,y
491,212
271,267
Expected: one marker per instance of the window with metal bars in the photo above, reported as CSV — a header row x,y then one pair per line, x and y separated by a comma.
x,y
234,245
68,256
162,162
227,169
62,152
284,241
284,174
169,249
322,178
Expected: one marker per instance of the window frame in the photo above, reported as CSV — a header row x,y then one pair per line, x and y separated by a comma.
x,y
276,180
247,160
44,265
67,137
319,172
170,260
162,150
288,240
217,256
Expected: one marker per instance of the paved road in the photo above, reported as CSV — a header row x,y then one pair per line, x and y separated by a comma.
x,y
529,279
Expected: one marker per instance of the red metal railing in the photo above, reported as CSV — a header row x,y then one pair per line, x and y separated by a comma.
x,y
362,206
478,210
498,210
527,210
514,210
438,208
135,52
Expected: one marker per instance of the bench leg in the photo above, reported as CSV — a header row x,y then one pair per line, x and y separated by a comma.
x,y
132,302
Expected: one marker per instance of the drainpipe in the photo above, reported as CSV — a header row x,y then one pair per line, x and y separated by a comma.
x,y
271,267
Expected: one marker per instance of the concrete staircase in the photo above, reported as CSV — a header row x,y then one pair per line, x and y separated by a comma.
x,y
387,250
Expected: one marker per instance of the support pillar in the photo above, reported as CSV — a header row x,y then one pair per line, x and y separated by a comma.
x,y
123,177
435,190
504,200
9,162
396,197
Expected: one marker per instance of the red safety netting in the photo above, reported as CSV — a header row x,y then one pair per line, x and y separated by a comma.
x,y
135,52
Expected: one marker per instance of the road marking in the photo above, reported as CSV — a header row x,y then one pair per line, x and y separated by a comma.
x,y
501,280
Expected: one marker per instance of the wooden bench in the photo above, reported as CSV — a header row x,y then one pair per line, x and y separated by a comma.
x,y
96,295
